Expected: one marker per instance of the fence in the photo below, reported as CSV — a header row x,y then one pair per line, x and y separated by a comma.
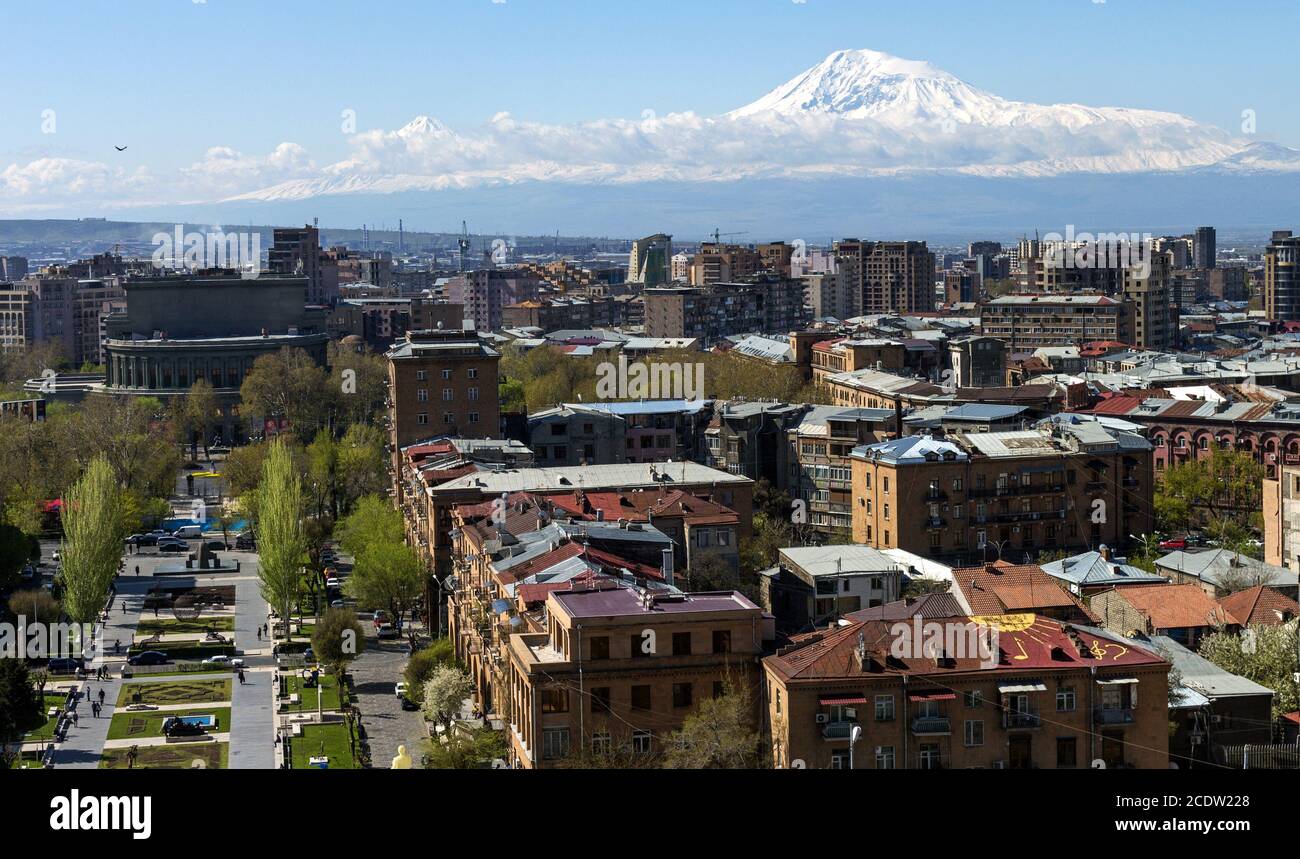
x,y
1275,756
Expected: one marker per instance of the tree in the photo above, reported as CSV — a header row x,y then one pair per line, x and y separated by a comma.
x,y
358,383
196,413
444,693
718,735
373,521
1265,654
422,664
1223,492
337,639
20,708
15,552
388,575
281,541
712,573
288,384
463,749
36,604
92,544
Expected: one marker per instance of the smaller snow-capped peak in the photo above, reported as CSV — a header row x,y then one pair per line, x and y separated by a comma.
x,y
423,126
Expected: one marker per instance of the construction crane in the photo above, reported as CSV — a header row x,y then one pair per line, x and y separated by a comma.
x,y
463,243
718,235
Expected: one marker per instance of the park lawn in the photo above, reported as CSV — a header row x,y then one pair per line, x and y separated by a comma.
x,y
29,760
186,670
307,697
178,756
336,746
46,730
176,692
148,723
176,626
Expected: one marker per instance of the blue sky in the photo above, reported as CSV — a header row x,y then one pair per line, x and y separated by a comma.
x,y
172,77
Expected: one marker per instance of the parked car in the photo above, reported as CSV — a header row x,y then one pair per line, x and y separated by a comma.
x,y
245,543
381,618
229,661
387,630
408,704
218,546
172,548
149,657
333,583
401,689
336,604
188,532
63,666
1174,543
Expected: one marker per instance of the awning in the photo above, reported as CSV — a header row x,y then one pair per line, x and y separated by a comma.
x,y
839,702
1013,688
1117,681
932,696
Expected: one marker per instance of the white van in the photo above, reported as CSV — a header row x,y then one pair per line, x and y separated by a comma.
x,y
189,532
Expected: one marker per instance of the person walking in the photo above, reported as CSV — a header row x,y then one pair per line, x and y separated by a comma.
x,y
101,697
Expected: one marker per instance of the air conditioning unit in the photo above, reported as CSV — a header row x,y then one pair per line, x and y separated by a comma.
x,y
823,718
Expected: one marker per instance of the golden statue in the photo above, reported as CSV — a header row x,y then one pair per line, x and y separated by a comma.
x,y
402,761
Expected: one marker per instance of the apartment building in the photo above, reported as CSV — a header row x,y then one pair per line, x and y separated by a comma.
x,y
871,695
577,434
650,261
752,439
979,496
888,277
763,304
487,292
821,473
296,252
1152,325
555,314
659,430
1029,322
1282,277
814,586
619,668
723,263
441,382
978,362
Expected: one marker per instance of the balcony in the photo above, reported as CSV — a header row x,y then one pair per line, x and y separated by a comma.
x,y
1017,720
1019,489
936,522
931,725
837,730
1123,716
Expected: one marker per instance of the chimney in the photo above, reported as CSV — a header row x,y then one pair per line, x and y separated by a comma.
x,y
667,566
1105,552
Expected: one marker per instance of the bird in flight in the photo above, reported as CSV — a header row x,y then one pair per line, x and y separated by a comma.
x,y
120,148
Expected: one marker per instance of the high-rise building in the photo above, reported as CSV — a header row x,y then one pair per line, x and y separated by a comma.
x,y
889,277
650,263
12,269
1282,277
296,252
764,304
488,291
58,309
1204,249
1150,296
442,383
1029,322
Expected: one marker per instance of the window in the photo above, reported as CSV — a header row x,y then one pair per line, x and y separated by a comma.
x,y
600,647
600,743
721,641
637,644
473,393
974,732
473,417
928,756
473,372
973,699
448,418
641,742
886,512
720,689
555,700
1065,699
448,394
681,695
640,697
956,484
885,758
936,540
884,708
421,375
681,644
600,699
555,743
886,484
1067,754
422,395
840,760
446,374
422,419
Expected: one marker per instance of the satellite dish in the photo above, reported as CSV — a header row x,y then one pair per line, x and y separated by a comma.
x,y
1099,764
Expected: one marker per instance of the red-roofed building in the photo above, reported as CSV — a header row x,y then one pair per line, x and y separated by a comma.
x,y
1260,605
926,695
1185,613
1005,588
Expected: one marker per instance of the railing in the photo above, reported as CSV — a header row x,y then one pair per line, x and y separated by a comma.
x,y
1021,516
1106,716
1001,491
1021,720
837,730
923,725
936,522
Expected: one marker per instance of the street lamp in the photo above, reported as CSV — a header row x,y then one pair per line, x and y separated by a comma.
x,y
855,734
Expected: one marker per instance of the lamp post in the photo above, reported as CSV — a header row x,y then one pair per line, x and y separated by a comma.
x,y
855,734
